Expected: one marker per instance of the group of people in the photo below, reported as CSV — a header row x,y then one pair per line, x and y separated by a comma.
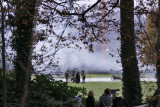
x,y
75,77
104,101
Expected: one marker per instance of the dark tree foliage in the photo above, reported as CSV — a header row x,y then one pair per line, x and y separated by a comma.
x,y
21,43
131,82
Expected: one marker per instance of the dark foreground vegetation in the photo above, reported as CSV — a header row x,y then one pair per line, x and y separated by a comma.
x,y
44,91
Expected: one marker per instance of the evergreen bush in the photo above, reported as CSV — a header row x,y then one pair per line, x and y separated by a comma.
x,y
44,91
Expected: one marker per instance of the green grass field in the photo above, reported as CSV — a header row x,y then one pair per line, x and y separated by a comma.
x,y
98,87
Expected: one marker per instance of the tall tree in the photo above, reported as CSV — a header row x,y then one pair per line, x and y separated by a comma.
x,y
158,50
131,76
22,42
3,55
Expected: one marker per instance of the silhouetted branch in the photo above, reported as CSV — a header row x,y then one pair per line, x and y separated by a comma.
x,y
106,14
69,13
141,25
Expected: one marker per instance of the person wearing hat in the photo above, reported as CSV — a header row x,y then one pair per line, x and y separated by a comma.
x,y
77,102
118,101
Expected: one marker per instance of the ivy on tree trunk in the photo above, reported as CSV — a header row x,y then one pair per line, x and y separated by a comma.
x,y
3,54
22,38
131,77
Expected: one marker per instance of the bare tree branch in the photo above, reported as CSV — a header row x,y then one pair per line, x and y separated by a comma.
x,y
90,8
145,33
106,14
57,2
96,36
78,14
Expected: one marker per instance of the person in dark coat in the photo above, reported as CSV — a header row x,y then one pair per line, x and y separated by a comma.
x,y
118,101
77,78
90,101
73,76
83,77
66,75
105,100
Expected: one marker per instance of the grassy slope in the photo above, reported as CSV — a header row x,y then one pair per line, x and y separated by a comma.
x,y
98,87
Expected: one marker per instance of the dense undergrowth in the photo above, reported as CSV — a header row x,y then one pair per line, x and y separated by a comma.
x,y
44,91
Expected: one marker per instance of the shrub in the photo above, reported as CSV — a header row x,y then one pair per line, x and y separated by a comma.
x,y
44,91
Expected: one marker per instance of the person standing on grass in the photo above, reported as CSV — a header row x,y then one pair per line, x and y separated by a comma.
x,y
77,78
83,77
66,75
73,76
105,100
118,101
90,101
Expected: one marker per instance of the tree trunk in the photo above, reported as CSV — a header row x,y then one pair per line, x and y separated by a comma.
x,y
61,101
131,83
3,57
22,44
158,99
158,50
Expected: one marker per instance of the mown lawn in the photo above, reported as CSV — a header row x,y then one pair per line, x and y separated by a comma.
x,y
98,87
